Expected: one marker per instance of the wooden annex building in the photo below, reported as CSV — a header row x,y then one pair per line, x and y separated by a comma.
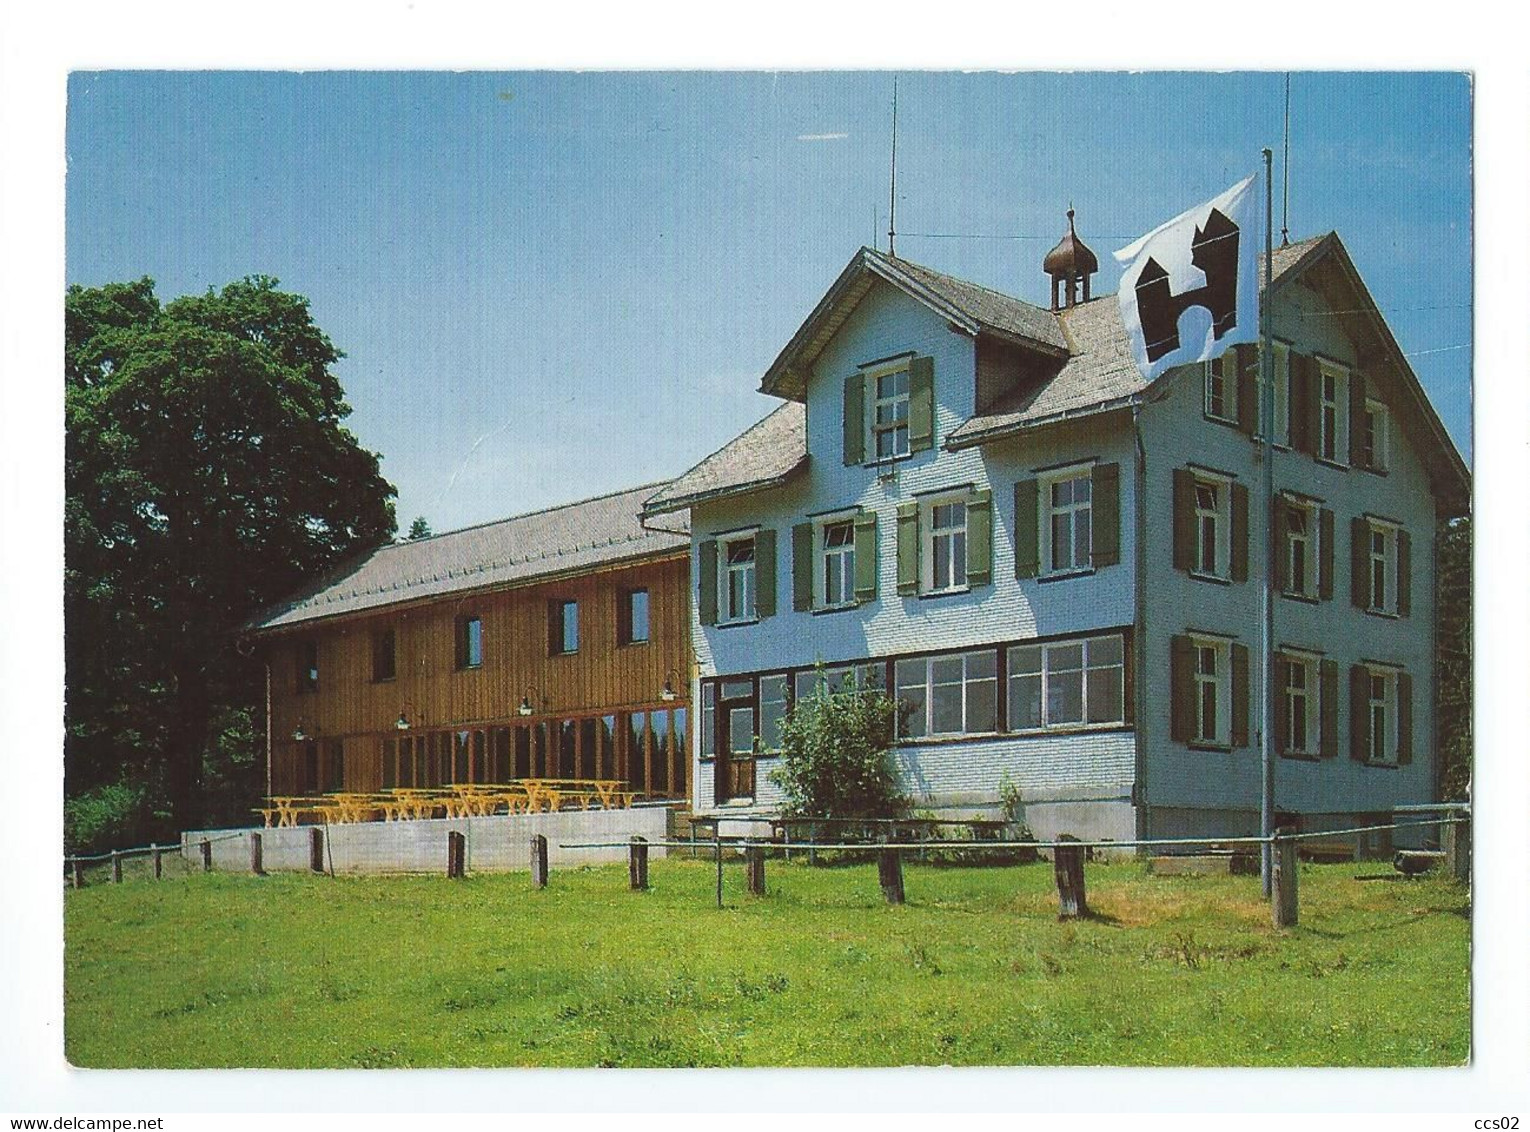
x,y
552,644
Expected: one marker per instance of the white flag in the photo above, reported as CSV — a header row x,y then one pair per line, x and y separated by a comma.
x,y
1191,289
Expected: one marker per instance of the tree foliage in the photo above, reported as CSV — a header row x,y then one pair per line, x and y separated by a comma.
x,y
207,473
837,759
1453,658
419,528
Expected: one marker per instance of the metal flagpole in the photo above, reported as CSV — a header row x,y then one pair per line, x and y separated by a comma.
x,y
1267,614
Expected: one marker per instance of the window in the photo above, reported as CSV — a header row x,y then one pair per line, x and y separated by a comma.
x,y
384,655
1069,527
837,579
1381,557
889,415
1222,388
1381,715
1067,684
1282,365
307,662
1298,705
469,641
632,617
738,580
1331,405
1299,534
1212,682
1373,437
563,627
1210,529
946,563
772,710
841,679
949,695
708,721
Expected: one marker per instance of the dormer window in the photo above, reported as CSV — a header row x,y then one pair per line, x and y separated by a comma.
x,y
889,421
889,409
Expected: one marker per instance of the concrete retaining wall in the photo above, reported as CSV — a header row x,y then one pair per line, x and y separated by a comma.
x,y
494,844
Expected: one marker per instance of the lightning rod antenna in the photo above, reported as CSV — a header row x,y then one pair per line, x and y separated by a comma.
x,y
892,193
1285,174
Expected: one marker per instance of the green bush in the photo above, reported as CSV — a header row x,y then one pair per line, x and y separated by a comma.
x,y
837,755
106,817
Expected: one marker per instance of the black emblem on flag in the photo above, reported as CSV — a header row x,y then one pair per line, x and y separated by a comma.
x,y
1215,251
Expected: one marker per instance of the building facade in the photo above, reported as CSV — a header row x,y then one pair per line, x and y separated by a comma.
x,y
979,505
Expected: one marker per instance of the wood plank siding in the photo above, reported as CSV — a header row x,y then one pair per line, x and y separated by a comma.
x,y
596,710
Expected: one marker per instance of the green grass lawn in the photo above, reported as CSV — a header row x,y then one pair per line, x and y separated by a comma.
x,y
304,971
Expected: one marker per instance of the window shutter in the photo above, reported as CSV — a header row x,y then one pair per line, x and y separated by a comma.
x,y
765,573
1325,554
1238,537
980,538
1184,519
1027,531
1280,552
1359,713
1328,709
1282,725
1181,689
908,548
1239,695
1357,420
1404,574
1105,521
855,418
1359,563
866,556
1404,719
1303,407
802,567
1129,680
921,404
1246,358
706,592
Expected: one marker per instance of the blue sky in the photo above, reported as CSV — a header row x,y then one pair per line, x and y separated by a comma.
x,y
550,285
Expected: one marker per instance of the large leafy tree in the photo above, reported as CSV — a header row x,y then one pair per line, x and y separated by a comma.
x,y
207,473
1453,657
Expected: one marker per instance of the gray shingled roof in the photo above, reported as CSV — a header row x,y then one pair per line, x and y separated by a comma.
x,y
559,540
1100,373
769,453
991,310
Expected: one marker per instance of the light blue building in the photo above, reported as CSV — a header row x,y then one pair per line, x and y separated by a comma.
x,y
980,504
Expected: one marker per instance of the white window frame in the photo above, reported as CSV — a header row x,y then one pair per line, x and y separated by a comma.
x,y
1333,442
954,539
1047,483
1222,371
1381,452
749,579
822,553
1219,680
1310,555
1092,670
1383,748
1282,375
1221,514
1386,560
873,378
927,665
1310,692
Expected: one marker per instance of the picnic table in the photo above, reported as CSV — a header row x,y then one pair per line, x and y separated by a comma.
x,y
285,809
549,794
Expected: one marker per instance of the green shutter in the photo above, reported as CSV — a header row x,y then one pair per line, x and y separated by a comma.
x,y
1359,713
980,538
1404,574
1357,420
921,404
1184,519
1246,359
1282,727
1239,695
802,567
1105,492
1239,534
1359,563
1181,689
765,573
1280,546
706,590
1325,554
1404,719
1027,531
1303,408
1328,709
908,548
855,418
866,556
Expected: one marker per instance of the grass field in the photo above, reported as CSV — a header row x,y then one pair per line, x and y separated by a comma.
x,y
305,971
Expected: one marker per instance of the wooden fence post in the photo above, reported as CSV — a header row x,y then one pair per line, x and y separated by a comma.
x,y
539,860
206,855
155,850
637,864
257,860
79,872
456,854
890,873
1458,849
1283,907
717,856
754,858
1068,868
316,849
116,867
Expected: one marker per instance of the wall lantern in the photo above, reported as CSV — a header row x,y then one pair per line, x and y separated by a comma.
x,y
669,695
403,722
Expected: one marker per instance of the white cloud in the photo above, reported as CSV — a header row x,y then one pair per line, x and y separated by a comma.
x,y
821,137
